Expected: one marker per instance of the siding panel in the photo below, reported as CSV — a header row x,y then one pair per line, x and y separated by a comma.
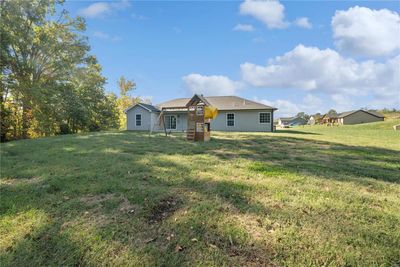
x,y
359,117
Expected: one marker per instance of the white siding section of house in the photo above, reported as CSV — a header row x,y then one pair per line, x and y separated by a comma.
x,y
245,121
131,119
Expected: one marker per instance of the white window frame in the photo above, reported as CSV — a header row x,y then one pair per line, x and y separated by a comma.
x,y
176,122
259,116
136,120
234,119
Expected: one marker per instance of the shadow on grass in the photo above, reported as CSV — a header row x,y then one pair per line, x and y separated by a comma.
x,y
295,132
136,166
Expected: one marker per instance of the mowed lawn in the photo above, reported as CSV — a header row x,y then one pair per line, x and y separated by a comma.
x,y
307,196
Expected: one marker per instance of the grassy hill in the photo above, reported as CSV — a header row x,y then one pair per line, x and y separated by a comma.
x,y
304,196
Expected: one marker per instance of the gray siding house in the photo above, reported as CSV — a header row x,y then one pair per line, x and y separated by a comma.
x,y
234,114
359,116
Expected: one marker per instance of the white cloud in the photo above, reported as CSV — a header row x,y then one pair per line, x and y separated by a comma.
x,y
106,36
366,32
310,104
177,30
138,17
210,85
285,107
95,10
303,22
101,35
312,69
342,102
102,9
244,28
271,13
258,40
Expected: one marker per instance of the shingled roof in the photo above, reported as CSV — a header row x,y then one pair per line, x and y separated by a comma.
x,y
220,102
347,113
149,107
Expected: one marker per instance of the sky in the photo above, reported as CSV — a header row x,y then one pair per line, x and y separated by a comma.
x,y
307,56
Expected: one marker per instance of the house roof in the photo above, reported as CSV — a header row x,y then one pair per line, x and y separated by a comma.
x,y
347,113
332,116
220,102
291,118
286,118
149,107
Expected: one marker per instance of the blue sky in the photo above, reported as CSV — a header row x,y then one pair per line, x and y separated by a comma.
x,y
295,55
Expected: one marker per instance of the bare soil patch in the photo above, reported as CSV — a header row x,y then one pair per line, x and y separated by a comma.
x,y
165,208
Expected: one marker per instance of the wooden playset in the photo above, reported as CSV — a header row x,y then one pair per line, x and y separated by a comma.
x,y
200,114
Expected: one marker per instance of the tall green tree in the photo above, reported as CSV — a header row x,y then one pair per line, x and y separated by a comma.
x,y
51,81
126,87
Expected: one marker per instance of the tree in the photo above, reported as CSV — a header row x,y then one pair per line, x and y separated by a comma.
x,y
126,87
49,80
303,115
332,112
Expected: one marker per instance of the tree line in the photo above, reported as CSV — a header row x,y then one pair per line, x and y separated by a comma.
x,y
50,83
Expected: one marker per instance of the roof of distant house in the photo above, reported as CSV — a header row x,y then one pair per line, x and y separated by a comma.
x,y
332,116
291,118
347,113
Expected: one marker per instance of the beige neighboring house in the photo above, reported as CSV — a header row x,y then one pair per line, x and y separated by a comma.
x,y
359,116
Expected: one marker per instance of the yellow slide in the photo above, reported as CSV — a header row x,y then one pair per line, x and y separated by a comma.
x,y
210,112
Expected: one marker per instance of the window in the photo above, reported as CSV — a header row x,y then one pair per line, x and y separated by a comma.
x,y
230,119
265,117
170,122
138,119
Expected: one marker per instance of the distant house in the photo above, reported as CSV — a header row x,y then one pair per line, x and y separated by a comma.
x,y
234,114
291,121
329,119
359,116
315,119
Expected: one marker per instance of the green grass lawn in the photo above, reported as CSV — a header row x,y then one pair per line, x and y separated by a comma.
x,y
307,196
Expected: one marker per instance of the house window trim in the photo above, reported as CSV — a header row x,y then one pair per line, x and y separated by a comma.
x,y
141,120
234,119
176,122
270,117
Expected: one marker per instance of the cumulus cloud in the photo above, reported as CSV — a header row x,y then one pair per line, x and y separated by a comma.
x,y
106,36
309,104
271,13
303,23
309,68
366,32
243,27
342,102
210,85
102,9
285,107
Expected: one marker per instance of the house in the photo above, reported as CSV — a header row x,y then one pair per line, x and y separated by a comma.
x,y
291,121
329,119
234,114
315,119
359,116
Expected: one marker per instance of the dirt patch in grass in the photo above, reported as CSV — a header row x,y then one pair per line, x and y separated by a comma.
x,y
165,208
92,200
126,207
20,181
253,256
